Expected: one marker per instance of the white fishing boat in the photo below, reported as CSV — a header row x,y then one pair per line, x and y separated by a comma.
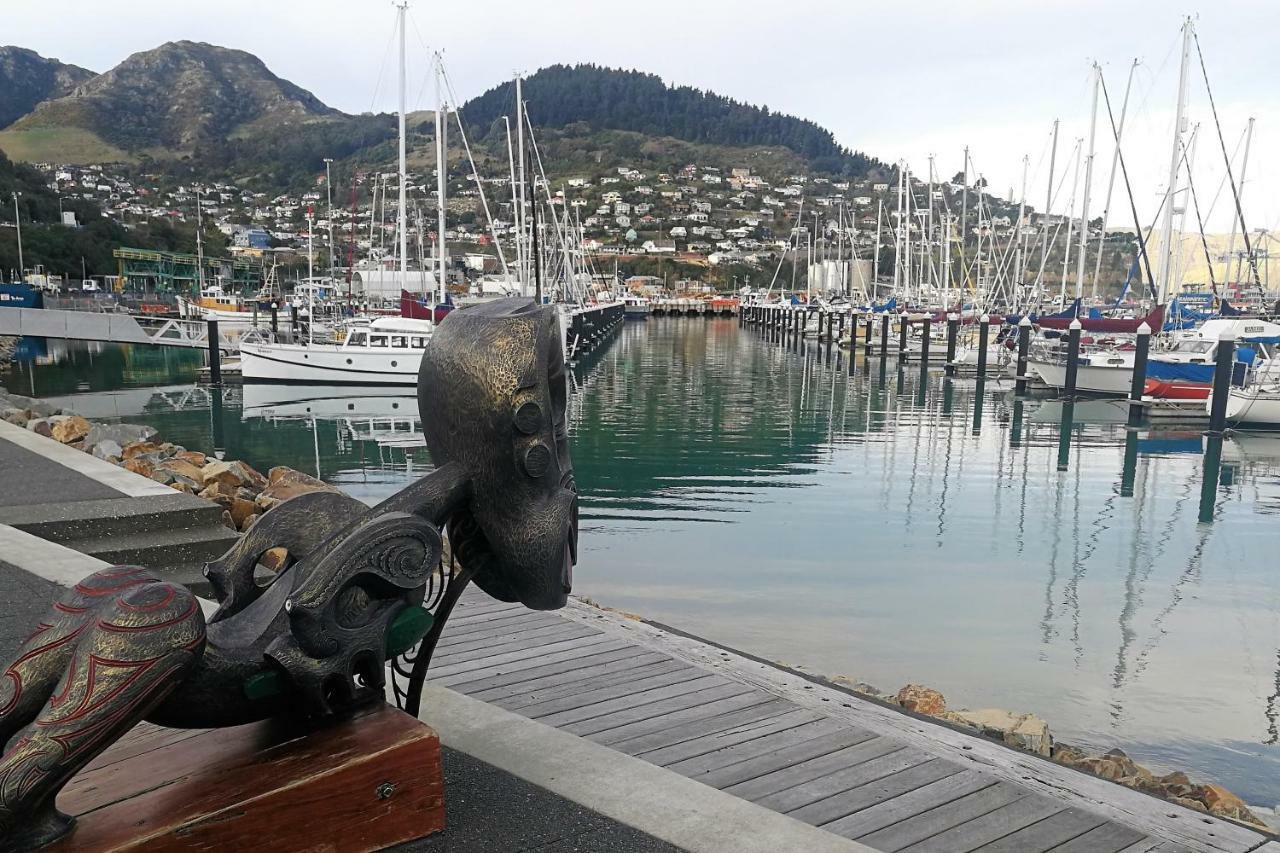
x,y
1108,372
636,307
388,352
1252,407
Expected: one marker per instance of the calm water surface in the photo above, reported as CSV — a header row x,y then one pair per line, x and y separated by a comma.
x,y
865,524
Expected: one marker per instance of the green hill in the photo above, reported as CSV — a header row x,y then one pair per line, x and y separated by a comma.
x,y
27,78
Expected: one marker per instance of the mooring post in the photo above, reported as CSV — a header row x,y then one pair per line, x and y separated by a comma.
x,y
953,333
1222,382
984,333
215,355
853,334
924,349
902,336
1211,477
1138,384
884,336
1024,344
293,322
1073,358
275,319
869,335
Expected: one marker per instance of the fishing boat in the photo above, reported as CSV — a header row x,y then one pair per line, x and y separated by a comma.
x,y
386,352
636,307
214,303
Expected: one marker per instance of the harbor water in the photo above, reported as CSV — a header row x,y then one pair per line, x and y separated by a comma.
x,y
867,522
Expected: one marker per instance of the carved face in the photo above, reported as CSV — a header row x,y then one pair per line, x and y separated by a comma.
x,y
492,393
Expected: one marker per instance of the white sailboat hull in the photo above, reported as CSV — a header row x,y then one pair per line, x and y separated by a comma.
x,y
1252,407
1093,379
328,365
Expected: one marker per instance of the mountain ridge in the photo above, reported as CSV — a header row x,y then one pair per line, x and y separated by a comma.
x,y
27,79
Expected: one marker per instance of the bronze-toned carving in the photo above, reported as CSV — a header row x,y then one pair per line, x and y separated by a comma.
x,y
364,585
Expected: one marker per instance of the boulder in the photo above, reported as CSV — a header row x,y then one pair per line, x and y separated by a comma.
x,y
122,434
40,426
1024,731
219,493
241,510
234,474
107,449
274,559
69,428
183,472
922,700
287,483
250,521
195,457
39,408
138,448
162,476
181,486
17,417
139,466
226,520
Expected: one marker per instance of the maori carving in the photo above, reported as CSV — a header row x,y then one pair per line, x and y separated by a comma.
x,y
364,586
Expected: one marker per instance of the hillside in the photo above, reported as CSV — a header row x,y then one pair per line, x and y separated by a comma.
x,y
612,99
27,78
168,101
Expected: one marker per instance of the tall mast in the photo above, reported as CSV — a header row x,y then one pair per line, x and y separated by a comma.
x,y
199,247
1088,183
1071,202
1111,181
906,232
1180,119
1048,206
401,220
875,259
442,166
520,220
1022,212
1231,246
897,234
964,218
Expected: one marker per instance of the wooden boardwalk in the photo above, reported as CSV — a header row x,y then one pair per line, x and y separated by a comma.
x,y
854,767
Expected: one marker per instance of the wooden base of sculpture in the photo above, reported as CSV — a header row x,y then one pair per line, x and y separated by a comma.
x,y
362,784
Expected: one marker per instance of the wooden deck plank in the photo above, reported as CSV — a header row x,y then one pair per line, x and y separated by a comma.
x,y
535,634
864,796
696,765
623,704
475,670
526,626
577,647
798,776
676,744
990,827
673,719
460,622
927,824
543,690
458,654
590,694
1046,834
698,699
844,779
1109,838
914,802
784,754
630,656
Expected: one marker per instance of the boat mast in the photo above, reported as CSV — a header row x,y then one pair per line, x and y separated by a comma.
x,y
401,220
1020,260
1175,159
875,261
897,234
1048,207
442,165
520,223
1083,249
964,220
199,248
311,273
1111,181
1071,203
1231,245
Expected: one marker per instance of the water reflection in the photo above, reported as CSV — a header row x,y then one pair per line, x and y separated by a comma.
x,y
1011,552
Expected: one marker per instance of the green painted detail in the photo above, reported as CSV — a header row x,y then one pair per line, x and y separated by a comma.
x,y
263,685
410,626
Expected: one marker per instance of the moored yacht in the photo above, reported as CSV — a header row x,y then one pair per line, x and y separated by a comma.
x,y
386,352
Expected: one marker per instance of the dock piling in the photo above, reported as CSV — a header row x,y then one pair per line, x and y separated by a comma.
x,y
924,351
953,332
1138,384
275,320
215,355
1024,344
902,336
984,334
1073,358
1222,382
884,336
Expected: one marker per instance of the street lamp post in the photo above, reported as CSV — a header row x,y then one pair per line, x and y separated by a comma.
x,y
17,221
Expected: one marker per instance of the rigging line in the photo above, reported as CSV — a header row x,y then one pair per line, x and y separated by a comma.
x,y
475,171
1204,241
1235,194
1223,182
1124,171
382,69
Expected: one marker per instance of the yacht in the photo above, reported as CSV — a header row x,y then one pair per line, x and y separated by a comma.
x,y
386,352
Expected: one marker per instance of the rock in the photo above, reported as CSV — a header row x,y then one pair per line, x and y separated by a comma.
x,y
107,449
161,476
240,510
138,448
1024,731
1067,754
1216,795
195,457
180,486
859,687
1177,778
41,426
219,493
139,466
122,434
922,700
226,520
234,474
287,483
69,428
18,417
1189,803
274,559
39,408
183,472
250,521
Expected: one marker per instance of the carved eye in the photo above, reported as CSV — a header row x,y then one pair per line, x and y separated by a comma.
x,y
537,460
529,418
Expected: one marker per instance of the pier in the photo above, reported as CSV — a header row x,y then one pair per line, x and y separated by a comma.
x,y
108,328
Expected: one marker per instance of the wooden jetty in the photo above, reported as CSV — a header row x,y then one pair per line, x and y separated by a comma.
x,y
855,767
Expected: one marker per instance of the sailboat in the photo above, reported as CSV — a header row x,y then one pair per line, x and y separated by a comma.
x,y
386,352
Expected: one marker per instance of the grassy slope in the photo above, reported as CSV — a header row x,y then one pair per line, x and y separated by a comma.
x,y
60,145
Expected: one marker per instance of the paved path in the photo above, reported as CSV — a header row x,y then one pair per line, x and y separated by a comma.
x,y
857,768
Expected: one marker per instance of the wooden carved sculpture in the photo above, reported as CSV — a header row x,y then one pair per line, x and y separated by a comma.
x,y
364,586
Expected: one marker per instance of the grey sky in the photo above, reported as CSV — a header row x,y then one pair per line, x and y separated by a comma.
x,y
896,79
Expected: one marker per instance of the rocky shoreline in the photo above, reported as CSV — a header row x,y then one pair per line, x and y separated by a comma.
x,y
245,495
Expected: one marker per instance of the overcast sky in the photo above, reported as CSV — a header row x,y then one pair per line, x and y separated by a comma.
x,y
894,79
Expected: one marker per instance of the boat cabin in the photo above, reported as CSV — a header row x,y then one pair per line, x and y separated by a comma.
x,y
390,333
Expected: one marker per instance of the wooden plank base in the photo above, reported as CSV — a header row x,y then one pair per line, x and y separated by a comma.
x,y
364,783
